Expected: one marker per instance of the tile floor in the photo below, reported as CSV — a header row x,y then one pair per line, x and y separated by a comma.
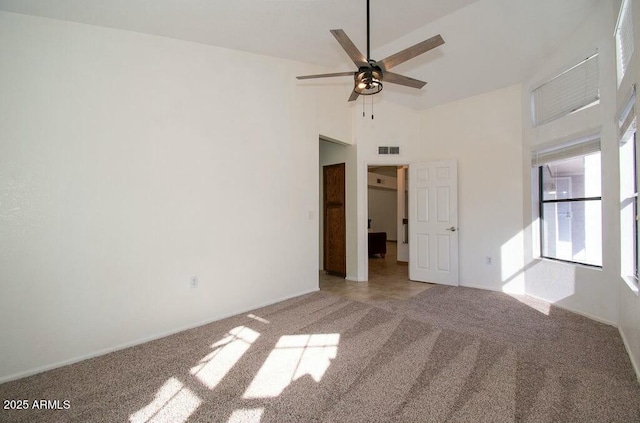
x,y
388,280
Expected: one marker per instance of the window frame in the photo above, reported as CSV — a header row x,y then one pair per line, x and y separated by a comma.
x,y
542,202
635,225
634,140
629,168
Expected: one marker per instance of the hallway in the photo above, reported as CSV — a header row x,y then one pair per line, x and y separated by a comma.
x,y
388,280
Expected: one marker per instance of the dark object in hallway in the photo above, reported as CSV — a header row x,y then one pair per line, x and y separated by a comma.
x,y
377,243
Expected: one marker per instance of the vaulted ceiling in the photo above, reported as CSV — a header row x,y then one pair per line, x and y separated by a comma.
x,y
490,44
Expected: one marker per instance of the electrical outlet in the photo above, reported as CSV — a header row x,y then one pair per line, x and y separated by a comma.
x,y
193,282
489,260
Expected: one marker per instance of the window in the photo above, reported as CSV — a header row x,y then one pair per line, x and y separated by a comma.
x,y
629,190
571,90
570,203
629,204
624,39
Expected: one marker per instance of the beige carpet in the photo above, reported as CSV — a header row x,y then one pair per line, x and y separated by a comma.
x,y
446,355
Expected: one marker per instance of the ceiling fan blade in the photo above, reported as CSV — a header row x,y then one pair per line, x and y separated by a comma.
x,y
354,96
411,52
395,78
325,75
351,49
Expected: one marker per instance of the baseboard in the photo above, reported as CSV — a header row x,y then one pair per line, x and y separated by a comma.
x,y
496,289
636,368
486,288
581,313
140,341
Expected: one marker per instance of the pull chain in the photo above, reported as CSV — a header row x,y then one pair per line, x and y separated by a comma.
x,y
364,105
371,107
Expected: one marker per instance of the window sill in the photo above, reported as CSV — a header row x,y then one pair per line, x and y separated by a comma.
x,y
632,283
569,263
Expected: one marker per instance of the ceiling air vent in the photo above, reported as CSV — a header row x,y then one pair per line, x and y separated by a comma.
x,y
388,150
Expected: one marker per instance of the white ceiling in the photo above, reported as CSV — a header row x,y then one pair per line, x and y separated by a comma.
x,y
490,44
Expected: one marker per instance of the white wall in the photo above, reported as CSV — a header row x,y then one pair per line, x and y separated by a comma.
x,y
629,307
393,125
333,153
383,212
591,292
129,163
334,114
484,135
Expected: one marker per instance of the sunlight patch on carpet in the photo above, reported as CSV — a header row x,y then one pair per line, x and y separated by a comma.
x,y
246,415
258,318
536,304
173,403
228,351
293,357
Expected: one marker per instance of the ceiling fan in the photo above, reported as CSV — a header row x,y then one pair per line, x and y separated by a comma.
x,y
370,74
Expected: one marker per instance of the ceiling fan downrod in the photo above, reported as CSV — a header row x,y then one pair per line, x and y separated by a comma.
x,y
368,36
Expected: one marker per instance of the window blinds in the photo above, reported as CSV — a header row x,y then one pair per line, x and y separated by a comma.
x,y
624,39
627,116
566,150
572,90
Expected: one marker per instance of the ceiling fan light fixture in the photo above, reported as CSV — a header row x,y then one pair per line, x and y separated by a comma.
x,y
368,82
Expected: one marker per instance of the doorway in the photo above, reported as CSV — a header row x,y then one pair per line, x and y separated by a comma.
x,y
387,219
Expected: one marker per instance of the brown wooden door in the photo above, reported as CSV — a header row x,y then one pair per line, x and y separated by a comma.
x,y
335,245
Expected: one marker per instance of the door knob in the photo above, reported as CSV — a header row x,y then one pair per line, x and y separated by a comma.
x,y
452,229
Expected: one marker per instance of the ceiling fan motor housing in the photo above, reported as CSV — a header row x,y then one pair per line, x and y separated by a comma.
x,y
368,81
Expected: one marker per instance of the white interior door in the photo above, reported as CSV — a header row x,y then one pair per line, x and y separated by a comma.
x,y
433,222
